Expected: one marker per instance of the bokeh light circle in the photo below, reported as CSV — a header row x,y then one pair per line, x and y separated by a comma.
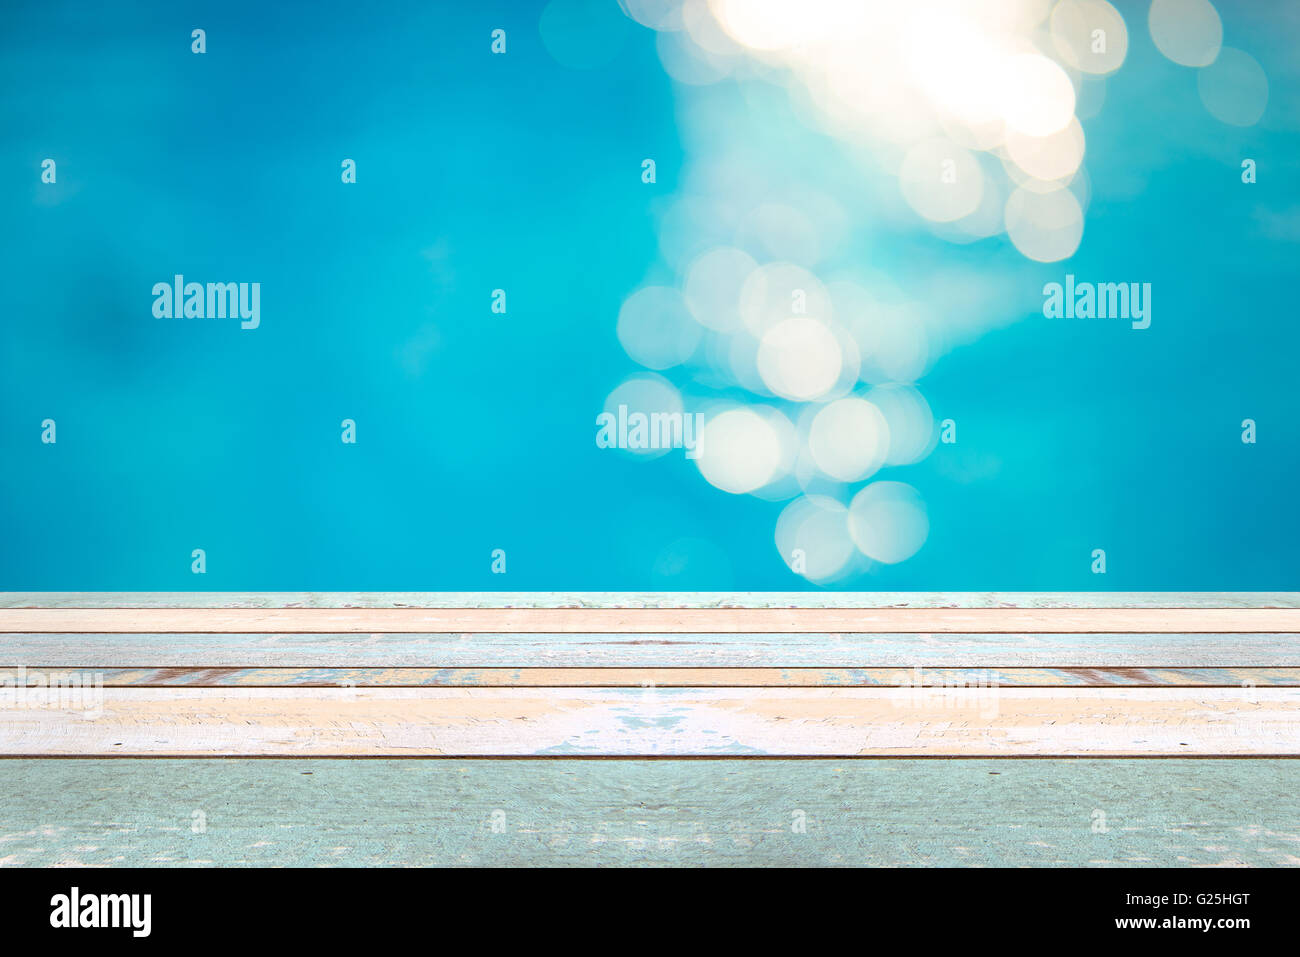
x,y
713,284
1036,94
648,394
656,329
849,439
1046,226
888,521
1089,35
813,532
800,359
1189,32
1234,88
940,180
738,451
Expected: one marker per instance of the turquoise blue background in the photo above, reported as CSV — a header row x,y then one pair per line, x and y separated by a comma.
x,y
476,431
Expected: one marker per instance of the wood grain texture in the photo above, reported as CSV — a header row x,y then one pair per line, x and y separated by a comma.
x,y
463,650
487,722
805,599
213,677
321,813
648,621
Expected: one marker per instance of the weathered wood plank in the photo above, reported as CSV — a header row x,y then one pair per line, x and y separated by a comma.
x,y
214,677
268,813
653,620
488,722
809,599
451,650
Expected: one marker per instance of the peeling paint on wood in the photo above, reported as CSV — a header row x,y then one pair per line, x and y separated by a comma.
x,y
489,722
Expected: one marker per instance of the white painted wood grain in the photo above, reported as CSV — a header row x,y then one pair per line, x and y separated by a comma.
x,y
416,677
845,722
718,650
652,620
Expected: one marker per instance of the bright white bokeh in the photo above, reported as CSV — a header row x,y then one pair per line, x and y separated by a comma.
x,y
1053,157
800,359
648,394
739,451
1036,94
849,439
813,531
1089,35
910,421
888,521
1045,225
775,292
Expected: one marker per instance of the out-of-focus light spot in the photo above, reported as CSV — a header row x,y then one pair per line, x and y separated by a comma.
x,y
687,62
583,34
648,394
950,56
775,231
655,327
1045,226
888,521
1188,32
742,359
703,27
940,180
1234,88
911,423
690,226
892,339
850,364
655,14
1089,35
986,220
712,287
1052,157
771,24
799,359
1091,96
812,535
849,439
787,440
738,451
1036,94
778,291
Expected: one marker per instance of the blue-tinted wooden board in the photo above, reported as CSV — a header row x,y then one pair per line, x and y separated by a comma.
x,y
651,813
490,599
